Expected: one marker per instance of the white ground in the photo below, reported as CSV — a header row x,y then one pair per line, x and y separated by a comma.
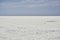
x,y
29,27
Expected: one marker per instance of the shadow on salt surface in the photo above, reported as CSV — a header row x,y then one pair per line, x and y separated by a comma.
x,y
54,38
51,21
2,37
1,27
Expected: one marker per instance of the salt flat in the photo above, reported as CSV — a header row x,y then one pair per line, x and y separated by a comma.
x,y
29,27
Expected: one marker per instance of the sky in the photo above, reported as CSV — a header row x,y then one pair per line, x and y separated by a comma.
x,y
29,7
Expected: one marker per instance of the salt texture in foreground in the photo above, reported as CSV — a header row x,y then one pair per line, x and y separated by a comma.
x,y
29,28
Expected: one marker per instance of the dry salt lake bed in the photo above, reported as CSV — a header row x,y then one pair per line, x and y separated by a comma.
x,y
29,27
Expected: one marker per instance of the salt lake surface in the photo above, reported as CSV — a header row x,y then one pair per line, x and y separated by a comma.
x,y
29,27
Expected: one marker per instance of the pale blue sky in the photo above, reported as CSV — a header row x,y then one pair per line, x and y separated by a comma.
x,y
30,7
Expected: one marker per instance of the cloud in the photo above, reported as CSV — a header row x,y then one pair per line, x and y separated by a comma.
x,y
28,3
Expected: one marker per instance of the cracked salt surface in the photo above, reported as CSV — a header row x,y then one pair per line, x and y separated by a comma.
x,y
29,28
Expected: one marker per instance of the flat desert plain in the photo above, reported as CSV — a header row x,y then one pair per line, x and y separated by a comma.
x,y
29,27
